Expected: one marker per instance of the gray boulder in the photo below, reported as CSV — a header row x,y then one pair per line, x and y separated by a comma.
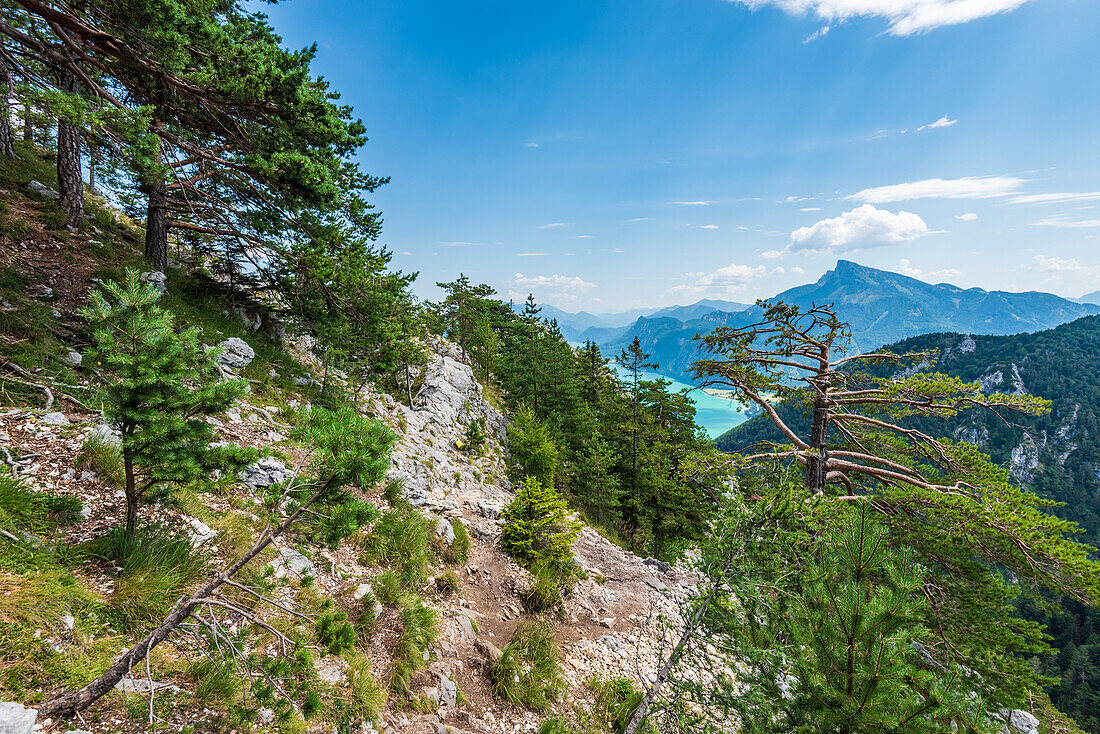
x,y
292,563
54,419
155,278
611,642
72,358
42,191
265,472
235,353
1019,722
14,719
445,531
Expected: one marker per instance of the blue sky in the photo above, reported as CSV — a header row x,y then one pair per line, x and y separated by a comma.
x,y
611,155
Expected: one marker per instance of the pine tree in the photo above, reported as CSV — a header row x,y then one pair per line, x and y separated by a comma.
x,y
532,450
538,528
159,387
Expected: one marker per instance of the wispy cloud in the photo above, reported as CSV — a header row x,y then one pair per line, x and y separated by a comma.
x,y
906,17
456,243
693,203
583,237
967,217
863,227
530,254
708,226
1055,198
553,225
1066,223
810,209
638,219
531,144
820,32
971,187
942,122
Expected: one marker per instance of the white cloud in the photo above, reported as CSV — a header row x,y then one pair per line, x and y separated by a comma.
x,y
810,209
708,226
772,254
797,270
693,203
729,280
1067,223
967,217
865,226
553,225
971,187
562,288
530,254
638,219
820,32
906,268
531,144
1060,265
942,122
582,237
906,17
1055,198
458,244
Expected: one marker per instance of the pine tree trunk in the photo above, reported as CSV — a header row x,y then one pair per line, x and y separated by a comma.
x,y
156,227
7,135
815,463
131,501
70,180
28,124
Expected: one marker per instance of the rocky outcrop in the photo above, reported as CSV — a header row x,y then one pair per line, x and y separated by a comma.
x,y
235,353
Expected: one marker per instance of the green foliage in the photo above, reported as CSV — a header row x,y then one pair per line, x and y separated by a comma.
x,y
459,550
532,450
539,529
334,632
419,629
475,436
159,386
104,457
23,510
402,541
157,564
545,592
528,671
448,582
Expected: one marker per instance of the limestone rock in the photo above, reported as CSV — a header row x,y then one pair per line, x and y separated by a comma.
x,y
155,278
291,562
444,530
265,472
488,649
42,191
72,358
235,353
200,532
54,419
1019,722
14,719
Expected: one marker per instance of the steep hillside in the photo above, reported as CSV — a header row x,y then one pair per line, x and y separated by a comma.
x,y
882,307
424,649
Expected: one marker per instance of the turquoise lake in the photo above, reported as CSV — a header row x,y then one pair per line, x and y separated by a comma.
x,y
716,415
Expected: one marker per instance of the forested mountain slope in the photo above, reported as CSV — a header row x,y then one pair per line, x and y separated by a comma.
x,y
882,307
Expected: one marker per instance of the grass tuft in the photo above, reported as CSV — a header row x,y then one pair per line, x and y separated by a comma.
x,y
528,671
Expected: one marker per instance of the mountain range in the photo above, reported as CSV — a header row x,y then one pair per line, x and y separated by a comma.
x,y
881,306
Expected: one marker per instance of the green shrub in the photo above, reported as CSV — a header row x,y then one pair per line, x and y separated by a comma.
x,y
104,457
539,529
475,436
528,671
216,682
387,587
615,702
533,452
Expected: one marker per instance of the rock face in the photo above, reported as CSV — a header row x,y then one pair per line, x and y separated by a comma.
x,y
235,353
14,719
